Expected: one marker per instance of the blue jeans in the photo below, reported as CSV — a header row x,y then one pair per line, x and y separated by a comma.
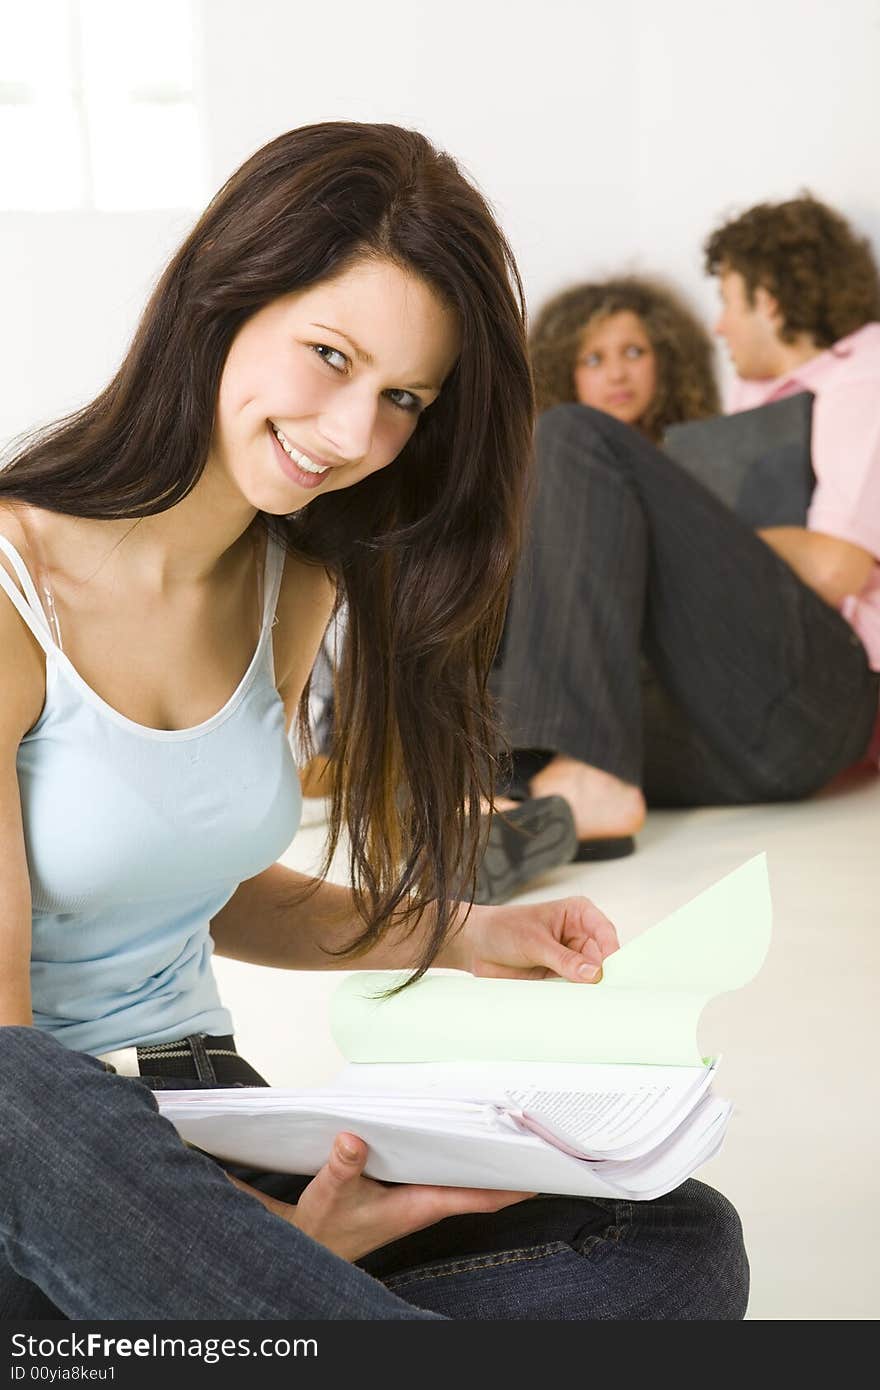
x,y
105,1214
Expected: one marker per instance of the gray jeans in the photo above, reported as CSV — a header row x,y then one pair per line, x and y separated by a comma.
x,y
652,634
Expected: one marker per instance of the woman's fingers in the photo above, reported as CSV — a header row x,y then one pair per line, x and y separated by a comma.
x,y
578,966
584,922
604,931
348,1158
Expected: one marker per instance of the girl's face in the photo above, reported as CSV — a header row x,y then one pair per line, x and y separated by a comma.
x,y
616,367
326,385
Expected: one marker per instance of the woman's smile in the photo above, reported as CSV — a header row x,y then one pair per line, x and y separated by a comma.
x,y
301,467
296,465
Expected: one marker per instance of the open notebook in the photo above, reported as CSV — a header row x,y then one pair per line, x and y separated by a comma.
x,y
543,1086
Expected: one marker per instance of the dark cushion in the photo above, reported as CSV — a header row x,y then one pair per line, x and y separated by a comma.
x,y
756,461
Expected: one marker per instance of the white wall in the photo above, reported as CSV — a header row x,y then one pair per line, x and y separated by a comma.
x,y
750,101
606,135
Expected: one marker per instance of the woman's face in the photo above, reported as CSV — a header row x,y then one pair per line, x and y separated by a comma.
x,y
616,367
325,386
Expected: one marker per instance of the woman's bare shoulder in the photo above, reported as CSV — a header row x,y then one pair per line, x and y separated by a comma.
x,y
23,670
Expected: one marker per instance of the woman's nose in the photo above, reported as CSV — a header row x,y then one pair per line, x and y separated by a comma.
x,y
617,368
349,424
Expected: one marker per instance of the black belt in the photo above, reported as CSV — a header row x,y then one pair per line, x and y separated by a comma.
x,y
198,1057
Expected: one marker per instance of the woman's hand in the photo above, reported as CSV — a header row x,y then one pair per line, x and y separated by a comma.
x,y
352,1215
568,937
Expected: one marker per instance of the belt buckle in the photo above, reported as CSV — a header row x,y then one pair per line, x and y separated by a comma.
x,y
124,1061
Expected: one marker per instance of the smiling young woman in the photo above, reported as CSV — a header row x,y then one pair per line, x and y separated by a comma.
x,y
181,443
328,399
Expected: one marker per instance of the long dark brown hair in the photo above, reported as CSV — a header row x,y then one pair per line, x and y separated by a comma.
x,y
686,384
422,552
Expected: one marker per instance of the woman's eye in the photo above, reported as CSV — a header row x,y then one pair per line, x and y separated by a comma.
x,y
404,400
591,359
634,351
328,354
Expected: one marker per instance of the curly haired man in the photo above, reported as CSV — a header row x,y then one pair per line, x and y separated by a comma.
x,y
801,304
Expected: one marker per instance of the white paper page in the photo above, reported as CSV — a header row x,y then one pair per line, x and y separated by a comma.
x,y
475,1147
621,1122
435,1113
300,1142
502,1158
625,1112
692,1145
626,1126
483,1080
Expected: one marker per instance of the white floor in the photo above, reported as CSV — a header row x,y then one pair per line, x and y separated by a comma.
x,y
800,1060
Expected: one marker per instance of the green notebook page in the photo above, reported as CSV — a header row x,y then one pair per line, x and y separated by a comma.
x,y
645,1009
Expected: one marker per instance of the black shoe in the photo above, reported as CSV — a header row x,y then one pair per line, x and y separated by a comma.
x,y
535,836
612,848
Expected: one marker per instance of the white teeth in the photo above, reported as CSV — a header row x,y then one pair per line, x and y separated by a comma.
x,y
301,460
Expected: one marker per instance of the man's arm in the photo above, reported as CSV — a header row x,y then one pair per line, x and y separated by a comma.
x,y
264,924
832,567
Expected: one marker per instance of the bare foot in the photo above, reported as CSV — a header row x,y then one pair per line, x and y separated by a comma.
x,y
602,805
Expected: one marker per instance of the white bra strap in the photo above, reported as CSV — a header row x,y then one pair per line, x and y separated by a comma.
x,y
275,557
29,604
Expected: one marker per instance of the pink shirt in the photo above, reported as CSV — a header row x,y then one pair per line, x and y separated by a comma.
x,y
845,380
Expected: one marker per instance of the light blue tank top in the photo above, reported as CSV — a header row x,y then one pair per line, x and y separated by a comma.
x,y
136,837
